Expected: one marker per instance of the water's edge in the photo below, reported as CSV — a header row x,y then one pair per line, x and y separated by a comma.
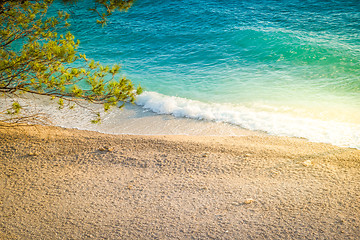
x,y
157,114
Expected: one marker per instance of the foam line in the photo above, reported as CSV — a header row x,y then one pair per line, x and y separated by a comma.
x,y
337,133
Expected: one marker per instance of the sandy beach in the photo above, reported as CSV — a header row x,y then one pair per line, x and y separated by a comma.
x,y
60,183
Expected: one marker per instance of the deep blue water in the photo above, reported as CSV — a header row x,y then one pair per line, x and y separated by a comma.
x,y
285,67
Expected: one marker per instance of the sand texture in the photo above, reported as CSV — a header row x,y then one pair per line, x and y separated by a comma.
x,y
67,184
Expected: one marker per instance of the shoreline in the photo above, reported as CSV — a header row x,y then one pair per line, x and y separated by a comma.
x,y
61,183
139,120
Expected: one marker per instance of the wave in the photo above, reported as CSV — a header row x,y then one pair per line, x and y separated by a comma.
x,y
279,124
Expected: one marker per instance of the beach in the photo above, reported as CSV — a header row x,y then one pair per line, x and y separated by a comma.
x,y
59,183
248,125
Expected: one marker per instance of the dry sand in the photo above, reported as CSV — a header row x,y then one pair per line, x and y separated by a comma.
x,y
67,184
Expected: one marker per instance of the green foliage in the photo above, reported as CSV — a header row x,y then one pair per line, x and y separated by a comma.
x,y
104,8
15,109
35,58
110,6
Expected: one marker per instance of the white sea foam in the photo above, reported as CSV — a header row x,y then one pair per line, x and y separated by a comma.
x,y
337,133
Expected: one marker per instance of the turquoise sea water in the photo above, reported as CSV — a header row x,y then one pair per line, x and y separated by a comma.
x,y
285,67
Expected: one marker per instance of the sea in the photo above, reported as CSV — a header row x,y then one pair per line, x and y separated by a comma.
x,y
284,68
